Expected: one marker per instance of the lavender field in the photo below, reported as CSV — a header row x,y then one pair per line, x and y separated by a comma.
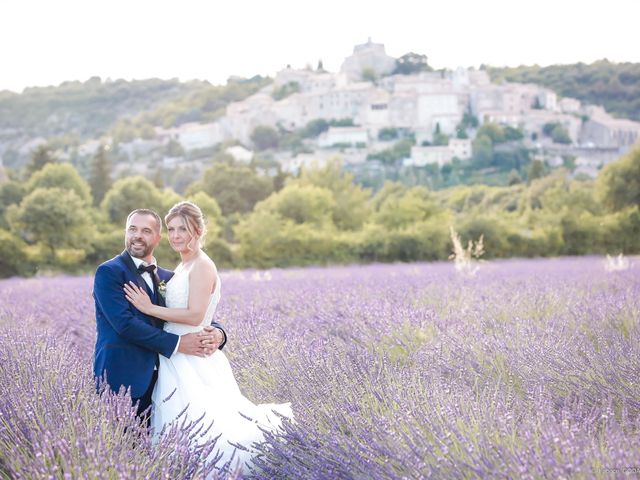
x,y
529,369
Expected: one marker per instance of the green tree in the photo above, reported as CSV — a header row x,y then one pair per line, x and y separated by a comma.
x,y
536,170
351,202
285,90
400,150
100,174
559,134
158,178
482,148
511,134
13,259
440,139
236,188
265,137
618,184
174,149
211,212
301,204
494,131
548,127
315,128
412,63
388,133
63,176
53,217
11,193
388,189
514,178
39,158
401,210
127,194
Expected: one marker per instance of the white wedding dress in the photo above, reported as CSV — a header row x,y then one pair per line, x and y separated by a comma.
x,y
207,386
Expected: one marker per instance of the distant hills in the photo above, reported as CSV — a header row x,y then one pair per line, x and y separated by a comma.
x,y
93,108
615,86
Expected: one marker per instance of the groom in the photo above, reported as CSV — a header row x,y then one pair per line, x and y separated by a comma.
x,y
128,341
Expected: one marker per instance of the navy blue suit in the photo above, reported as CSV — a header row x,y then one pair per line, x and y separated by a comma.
x,y
128,341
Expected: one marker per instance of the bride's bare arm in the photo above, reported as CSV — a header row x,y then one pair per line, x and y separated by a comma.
x,y
202,279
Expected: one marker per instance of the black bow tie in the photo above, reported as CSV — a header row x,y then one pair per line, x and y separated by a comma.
x,y
149,269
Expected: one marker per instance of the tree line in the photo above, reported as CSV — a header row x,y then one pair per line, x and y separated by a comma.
x,y
51,219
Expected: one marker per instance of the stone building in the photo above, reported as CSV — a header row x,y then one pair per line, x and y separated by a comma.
x,y
368,57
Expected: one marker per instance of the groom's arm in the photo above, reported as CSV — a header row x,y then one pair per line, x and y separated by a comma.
x,y
120,314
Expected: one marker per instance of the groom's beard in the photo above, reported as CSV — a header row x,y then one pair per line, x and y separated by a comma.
x,y
141,250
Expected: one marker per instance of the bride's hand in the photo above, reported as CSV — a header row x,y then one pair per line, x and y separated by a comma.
x,y
137,297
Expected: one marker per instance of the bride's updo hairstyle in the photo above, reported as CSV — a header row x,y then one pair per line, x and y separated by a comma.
x,y
192,217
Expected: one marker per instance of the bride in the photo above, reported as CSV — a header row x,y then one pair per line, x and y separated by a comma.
x,y
203,385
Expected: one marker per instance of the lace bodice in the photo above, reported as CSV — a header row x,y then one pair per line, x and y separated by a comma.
x,y
177,296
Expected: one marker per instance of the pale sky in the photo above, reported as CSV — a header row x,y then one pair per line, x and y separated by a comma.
x,y
45,42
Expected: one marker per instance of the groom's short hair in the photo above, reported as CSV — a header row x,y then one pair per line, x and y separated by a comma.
x,y
146,211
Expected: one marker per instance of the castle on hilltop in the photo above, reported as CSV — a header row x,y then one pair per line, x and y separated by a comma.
x,y
368,57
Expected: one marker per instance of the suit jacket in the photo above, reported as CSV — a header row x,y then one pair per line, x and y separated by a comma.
x,y
128,341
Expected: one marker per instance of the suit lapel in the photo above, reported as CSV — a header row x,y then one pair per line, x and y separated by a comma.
x,y
128,261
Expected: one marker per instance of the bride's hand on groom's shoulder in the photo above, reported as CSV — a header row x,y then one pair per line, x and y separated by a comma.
x,y
138,297
201,344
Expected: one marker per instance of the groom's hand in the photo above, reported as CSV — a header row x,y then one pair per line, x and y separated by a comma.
x,y
218,337
202,343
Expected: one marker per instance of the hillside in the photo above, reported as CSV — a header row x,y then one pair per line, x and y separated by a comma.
x,y
87,109
615,86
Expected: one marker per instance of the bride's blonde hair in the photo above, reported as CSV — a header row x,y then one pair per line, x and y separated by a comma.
x,y
193,219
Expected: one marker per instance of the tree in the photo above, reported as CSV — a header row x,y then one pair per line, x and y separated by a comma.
x,y
211,212
265,137
41,157
127,194
536,170
559,134
388,189
514,178
53,217
301,204
11,193
158,178
494,131
548,128
511,134
236,188
400,150
403,209
63,176
13,259
285,90
618,184
174,149
439,138
388,133
351,207
315,128
412,63
100,174
482,148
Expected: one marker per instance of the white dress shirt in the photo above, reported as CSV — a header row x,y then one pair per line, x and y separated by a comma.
x,y
146,276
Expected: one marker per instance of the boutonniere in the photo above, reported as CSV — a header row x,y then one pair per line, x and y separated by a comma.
x,y
162,288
